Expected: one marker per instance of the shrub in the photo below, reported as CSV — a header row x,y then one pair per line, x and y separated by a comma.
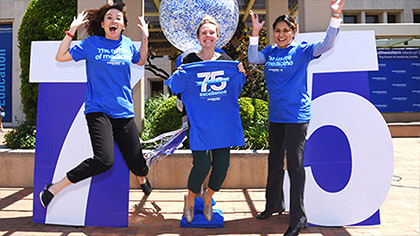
x,y
150,108
254,116
167,117
254,123
246,110
161,116
261,106
22,137
151,105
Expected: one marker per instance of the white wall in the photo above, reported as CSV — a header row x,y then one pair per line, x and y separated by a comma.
x,y
406,6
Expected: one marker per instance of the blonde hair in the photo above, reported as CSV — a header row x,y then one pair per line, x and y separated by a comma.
x,y
207,20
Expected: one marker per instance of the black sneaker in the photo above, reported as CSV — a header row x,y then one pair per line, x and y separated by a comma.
x,y
146,187
46,196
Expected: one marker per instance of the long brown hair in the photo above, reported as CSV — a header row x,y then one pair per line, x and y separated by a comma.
x,y
96,16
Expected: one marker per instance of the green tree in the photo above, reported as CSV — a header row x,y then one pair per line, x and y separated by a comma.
x,y
237,48
43,20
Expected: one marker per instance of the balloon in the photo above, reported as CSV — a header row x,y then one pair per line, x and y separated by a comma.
x,y
179,20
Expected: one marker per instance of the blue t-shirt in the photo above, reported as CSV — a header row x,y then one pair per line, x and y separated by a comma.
x,y
210,92
286,77
108,74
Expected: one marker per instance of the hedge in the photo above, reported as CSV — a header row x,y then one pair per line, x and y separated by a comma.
x,y
43,20
254,116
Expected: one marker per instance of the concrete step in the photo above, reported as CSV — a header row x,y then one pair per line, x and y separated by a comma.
x,y
17,166
17,169
409,129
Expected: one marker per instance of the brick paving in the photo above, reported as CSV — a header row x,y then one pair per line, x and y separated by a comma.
x,y
160,212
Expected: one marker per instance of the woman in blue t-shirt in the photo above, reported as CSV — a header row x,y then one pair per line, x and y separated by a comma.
x,y
285,72
109,106
216,160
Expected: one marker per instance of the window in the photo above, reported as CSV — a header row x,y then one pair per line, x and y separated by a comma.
x,y
392,18
416,18
372,19
350,19
157,87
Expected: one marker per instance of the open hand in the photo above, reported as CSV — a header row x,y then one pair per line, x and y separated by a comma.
x,y
337,6
144,27
256,24
79,20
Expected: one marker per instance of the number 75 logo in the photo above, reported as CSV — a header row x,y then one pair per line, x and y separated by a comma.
x,y
212,79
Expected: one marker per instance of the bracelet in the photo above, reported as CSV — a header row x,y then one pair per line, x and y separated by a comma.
x,y
69,34
336,14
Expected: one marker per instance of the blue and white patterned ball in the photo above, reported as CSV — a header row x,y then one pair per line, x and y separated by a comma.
x,y
179,20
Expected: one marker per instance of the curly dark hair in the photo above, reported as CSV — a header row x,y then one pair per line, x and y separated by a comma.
x,y
96,16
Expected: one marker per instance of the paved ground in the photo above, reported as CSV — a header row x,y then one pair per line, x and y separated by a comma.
x,y
160,213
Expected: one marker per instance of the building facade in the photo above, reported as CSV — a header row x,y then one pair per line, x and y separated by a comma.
x,y
396,24
11,13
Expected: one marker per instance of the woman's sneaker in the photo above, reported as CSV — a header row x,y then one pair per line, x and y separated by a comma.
x,y
46,196
146,187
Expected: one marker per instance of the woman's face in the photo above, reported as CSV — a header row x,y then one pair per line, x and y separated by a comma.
x,y
208,35
113,24
283,34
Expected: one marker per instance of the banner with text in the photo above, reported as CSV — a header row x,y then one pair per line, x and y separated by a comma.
x,y
6,70
396,86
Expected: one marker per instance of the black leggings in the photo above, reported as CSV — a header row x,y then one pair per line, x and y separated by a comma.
x,y
203,162
103,131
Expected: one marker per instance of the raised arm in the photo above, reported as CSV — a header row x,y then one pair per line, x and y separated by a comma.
x,y
144,27
254,56
327,43
63,53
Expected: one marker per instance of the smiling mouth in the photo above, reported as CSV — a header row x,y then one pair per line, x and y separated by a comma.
x,y
113,28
